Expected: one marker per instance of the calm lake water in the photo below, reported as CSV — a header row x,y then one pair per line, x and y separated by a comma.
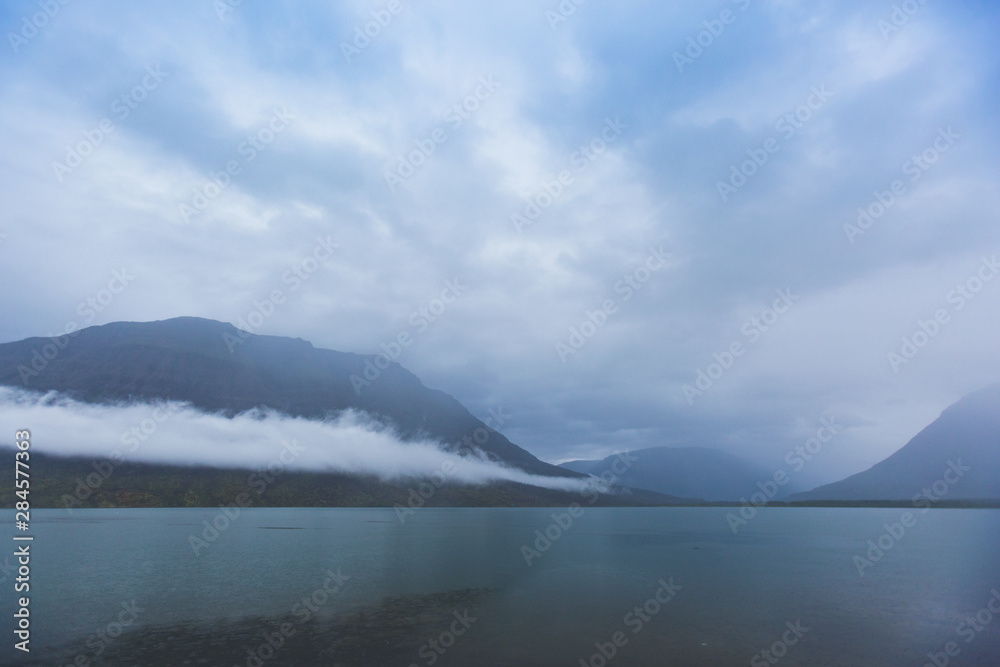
x,y
452,587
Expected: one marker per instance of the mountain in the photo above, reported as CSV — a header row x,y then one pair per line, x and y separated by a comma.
x,y
57,482
694,472
219,368
956,457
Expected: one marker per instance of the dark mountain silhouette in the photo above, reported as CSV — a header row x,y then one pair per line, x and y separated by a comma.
x,y
697,472
958,453
218,368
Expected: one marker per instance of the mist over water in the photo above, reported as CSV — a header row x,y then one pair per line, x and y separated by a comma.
x,y
178,434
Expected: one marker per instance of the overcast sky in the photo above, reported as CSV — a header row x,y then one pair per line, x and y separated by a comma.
x,y
712,154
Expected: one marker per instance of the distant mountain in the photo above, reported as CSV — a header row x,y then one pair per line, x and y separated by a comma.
x,y
585,467
957,454
692,472
219,368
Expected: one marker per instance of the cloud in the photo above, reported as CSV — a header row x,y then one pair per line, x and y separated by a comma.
x,y
657,184
178,434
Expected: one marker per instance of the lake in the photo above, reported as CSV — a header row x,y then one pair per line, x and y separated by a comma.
x,y
647,586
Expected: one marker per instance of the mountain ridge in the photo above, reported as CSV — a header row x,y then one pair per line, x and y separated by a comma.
x,y
932,465
219,368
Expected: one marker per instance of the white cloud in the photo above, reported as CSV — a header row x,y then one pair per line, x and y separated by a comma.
x,y
178,434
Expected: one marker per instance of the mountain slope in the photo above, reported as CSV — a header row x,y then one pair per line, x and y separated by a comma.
x,y
218,368
57,482
692,472
967,434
